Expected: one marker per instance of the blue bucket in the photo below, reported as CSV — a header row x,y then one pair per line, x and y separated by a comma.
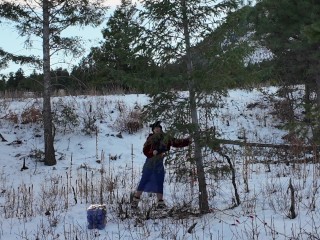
x,y
96,216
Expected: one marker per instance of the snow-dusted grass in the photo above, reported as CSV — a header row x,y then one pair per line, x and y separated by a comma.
x,y
97,165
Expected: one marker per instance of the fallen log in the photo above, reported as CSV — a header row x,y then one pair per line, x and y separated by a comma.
x,y
268,145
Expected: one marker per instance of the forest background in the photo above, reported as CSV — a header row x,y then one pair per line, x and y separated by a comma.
x,y
289,34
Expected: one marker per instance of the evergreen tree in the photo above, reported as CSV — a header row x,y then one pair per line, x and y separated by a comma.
x,y
47,19
10,12
119,59
118,50
278,26
283,27
174,29
33,82
15,80
6,57
11,83
2,83
61,79
312,31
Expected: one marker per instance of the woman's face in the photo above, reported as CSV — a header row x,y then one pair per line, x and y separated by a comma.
x,y
157,130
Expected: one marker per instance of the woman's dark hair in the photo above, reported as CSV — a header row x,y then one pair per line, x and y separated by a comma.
x,y
156,124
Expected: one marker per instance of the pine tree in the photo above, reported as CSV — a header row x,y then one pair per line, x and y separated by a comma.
x,y
119,35
6,57
46,19
119,59
173,29
285,28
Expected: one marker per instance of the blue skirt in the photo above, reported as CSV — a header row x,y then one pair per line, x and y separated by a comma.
x,y
152,176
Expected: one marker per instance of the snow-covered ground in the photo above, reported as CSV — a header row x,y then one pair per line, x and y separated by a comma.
x,y
44,202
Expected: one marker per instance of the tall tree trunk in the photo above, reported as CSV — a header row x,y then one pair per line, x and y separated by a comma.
x,y
316,130
203,194
307,98
47,115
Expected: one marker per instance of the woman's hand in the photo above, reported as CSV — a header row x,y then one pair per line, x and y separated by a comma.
x,y
155,152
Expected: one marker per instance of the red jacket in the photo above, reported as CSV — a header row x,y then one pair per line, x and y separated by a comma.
x,y
162,143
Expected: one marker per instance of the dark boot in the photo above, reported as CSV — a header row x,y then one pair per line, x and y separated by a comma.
x,y
161,205
135,202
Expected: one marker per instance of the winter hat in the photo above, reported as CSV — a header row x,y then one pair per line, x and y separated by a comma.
x,y
156,124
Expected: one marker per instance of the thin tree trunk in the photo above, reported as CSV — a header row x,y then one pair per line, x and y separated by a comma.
x,y
318,88
307,98
203,194
47,115
233,179
316,130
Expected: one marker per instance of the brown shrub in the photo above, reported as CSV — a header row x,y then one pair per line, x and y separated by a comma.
x,y
12,117
129,121
284,110
133,126
31,115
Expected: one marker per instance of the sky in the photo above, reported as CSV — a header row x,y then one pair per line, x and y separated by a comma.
x,y
13,43
43,202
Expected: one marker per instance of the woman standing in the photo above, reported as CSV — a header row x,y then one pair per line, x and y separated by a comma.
x,y
153,173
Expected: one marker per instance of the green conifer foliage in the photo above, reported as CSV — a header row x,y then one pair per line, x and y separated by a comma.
x,y
173,29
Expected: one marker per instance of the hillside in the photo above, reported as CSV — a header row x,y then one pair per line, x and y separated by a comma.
x,y
98,164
